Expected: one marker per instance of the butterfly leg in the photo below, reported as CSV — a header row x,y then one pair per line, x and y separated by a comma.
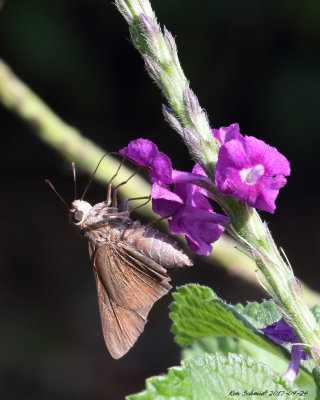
x,y
115,192
125,203
108,201
151,223
114,198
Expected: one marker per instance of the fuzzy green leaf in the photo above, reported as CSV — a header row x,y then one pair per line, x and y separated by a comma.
x,y
197,312
214,377
316,377
260,314
215,344
224,345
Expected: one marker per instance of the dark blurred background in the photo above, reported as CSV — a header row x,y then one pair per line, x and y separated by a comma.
x,y
252,62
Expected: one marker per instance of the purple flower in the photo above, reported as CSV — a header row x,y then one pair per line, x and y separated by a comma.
x,y
146,153
249,169
191,213
196,220
227,133
281,333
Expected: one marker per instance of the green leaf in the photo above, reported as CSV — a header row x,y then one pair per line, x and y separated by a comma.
x,y
225,345
260,314
197,312
215,377
221,344
316,377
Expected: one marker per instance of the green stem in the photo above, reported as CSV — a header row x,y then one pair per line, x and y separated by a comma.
x,y
185,115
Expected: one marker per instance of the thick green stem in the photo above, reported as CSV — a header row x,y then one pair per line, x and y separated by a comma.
x,y
187,117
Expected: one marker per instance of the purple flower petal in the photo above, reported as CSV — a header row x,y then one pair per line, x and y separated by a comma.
x,y
190,177
191,213
161,169
146,153
294,365
164,202
142,151
250,170
204,216
199,171
227,133
259,152
200,227
282,333
193,196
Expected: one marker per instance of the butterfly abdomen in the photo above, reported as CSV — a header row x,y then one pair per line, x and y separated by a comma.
x,y
159,247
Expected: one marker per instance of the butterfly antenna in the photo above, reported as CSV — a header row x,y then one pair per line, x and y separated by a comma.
x,y
92,176
60,197
74,179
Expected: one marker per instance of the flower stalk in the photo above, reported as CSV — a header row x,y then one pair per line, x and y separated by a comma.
x,y
160,55
186,116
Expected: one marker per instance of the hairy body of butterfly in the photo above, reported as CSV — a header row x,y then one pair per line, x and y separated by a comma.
x,y
130,263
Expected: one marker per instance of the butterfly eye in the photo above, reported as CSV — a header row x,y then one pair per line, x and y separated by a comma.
x,y
77,216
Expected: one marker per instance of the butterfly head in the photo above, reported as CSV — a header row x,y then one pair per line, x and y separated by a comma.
x,y
79,211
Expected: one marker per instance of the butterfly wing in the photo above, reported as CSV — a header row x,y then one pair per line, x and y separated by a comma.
x,y
128,284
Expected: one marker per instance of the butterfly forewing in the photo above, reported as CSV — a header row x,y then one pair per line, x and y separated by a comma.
x,y
121,327
127,289
129,281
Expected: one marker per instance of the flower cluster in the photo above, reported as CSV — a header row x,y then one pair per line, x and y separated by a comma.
x,y
281,333
186,205
247,169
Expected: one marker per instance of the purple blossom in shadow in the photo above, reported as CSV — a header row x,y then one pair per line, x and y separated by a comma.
x,y
196,220
199,171
249,169
190,212
191,215
281,333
